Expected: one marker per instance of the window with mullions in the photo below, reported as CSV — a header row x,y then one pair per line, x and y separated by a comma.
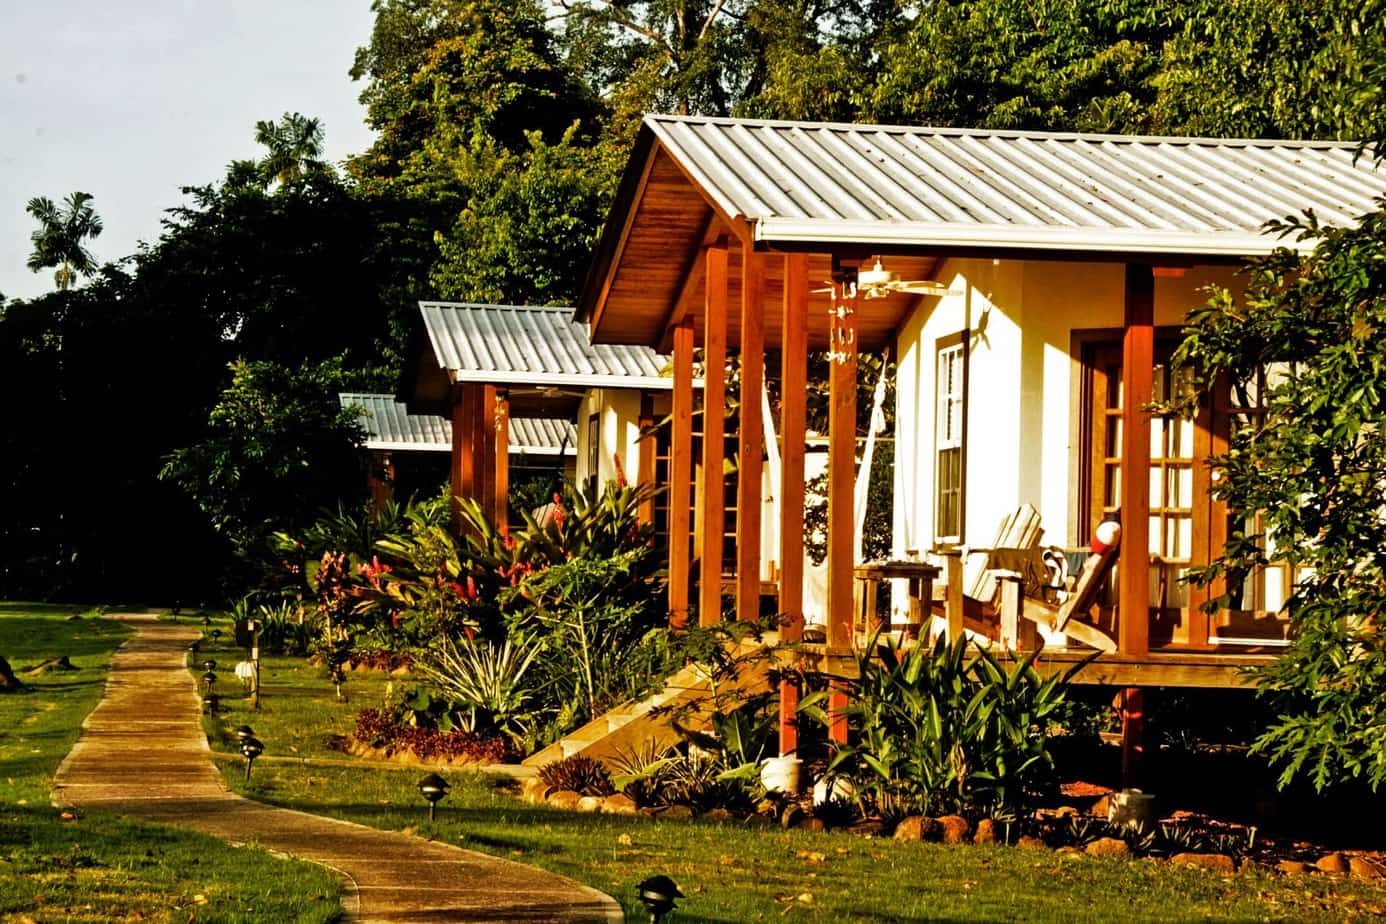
x,y
950,431
1267,587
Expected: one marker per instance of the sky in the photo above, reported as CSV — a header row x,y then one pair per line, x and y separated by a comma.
x,y
130,100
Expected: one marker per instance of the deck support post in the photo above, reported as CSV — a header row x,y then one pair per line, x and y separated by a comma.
x,y
1132,736
498,422
953,599
793,424
750,447
680,476
714,514
645,466
1138,368
380,477
842,458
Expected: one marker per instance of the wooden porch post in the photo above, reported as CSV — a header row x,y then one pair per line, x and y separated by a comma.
x,y
714,424
380,476
1138,367
464,461
1210,528
1132,736
645,470
680,476
500,421
793,388
486,452
842,449
751,436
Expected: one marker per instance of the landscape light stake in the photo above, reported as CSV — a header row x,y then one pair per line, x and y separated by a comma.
x,y
657,894
251,748
433,788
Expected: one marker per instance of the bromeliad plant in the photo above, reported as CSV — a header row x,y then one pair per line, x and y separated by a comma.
x,y
945,729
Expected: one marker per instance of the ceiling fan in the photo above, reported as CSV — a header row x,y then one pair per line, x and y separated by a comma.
x,y
878,282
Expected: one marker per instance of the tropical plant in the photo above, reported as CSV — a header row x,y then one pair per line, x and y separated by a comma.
x,y
491,684
640,772
58,241
293,147
579,774
945,728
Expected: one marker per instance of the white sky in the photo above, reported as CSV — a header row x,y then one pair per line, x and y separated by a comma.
x,y
131,99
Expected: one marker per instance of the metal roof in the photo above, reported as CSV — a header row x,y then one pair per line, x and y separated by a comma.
x,y
806,182
513,345
389,426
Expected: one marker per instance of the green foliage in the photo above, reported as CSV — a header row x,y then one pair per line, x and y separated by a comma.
x,y
58,240
491,684
530,220
941,729
581,775
278,447
1304,486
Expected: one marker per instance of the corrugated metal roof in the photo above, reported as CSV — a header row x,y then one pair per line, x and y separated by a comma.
x,y
804,182
389,426
511,345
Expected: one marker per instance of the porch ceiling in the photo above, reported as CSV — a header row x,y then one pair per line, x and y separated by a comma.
x,y
660,277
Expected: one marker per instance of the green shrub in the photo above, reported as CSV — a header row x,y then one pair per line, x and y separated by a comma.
x,y
582,775
937,730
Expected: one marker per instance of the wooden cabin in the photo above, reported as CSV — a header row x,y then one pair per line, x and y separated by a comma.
x,y
408,454
492,371
1031,287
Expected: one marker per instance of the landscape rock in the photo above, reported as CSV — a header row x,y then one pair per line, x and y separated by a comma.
x,y
1216,862
811,824
791,816
955,829
918,828
1293,867
758,820
564,799
1031,843
1102,807
534,790
986,832
619,804
1332,863
1108,847
676,812
719,814
1362,868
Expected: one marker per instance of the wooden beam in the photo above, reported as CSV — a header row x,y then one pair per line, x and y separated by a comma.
x,y
750,450
1138,367
680,476
842,444
500,419
714,424
648,449
793,424
693,272
1132,737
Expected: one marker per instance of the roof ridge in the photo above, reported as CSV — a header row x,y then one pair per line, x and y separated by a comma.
x,y
1191,140
435,303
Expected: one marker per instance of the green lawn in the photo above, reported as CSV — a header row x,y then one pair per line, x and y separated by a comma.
x,y
732,872
101,867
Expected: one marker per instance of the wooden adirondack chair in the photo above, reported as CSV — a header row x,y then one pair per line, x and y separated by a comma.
x,y
1018,556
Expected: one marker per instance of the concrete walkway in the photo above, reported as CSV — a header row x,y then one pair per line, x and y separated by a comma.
x,y
142,753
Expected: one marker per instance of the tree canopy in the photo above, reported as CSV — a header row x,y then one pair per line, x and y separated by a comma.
x,y
60,236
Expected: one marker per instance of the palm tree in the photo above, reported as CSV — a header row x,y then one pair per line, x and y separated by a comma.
x,y
294,144
58,241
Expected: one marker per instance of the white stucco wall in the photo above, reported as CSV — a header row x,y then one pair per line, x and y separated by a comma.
x,y
618,412
1022,385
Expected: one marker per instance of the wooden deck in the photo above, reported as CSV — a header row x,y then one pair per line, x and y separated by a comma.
x,y
1156,669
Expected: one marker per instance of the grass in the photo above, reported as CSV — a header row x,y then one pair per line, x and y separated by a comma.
x,y
733,872
100,866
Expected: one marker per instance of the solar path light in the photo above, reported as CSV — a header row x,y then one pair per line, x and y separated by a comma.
x,y
433,788
251,748
245,733
657,894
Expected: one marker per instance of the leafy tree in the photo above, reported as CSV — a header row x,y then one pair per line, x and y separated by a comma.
x,y
277,448
58,241
530,222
